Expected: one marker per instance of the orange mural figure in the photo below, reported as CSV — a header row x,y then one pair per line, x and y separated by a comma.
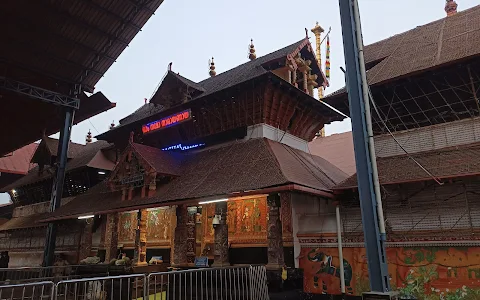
x,y
327,273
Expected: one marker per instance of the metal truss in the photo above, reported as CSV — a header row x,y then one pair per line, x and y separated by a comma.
x,y
39,93
433,99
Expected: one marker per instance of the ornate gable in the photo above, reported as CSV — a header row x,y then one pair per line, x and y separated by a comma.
x,y
131,171
175,90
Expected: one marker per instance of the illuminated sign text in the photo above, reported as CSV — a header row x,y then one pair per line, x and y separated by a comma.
x,y
182,147
167,121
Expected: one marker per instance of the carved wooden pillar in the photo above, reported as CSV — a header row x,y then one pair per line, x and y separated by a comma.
x,y
305,82
86,240
179,256
286,217
221,236
111,237
274,233
152,187
294,80
191,234
130,193
140,255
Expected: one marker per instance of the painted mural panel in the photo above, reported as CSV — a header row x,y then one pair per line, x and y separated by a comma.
x,y
159,225
127,226
429,273
246,219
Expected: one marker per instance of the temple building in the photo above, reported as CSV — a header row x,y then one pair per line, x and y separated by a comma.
x,y
236,168
211,169
23,236
425,86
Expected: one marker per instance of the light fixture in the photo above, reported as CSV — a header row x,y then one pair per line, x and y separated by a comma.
x,y
101,173
14,192
85,217
212,201
216,220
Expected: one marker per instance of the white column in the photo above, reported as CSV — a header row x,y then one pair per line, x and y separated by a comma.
x,y
340,249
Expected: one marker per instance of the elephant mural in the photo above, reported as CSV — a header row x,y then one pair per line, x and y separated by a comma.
x,y
327,272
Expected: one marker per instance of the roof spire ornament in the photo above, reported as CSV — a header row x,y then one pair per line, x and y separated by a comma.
x,y
132,135
212,68
112,125
88,139
451,7
252,55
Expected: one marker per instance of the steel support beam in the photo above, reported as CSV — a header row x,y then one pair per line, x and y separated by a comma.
x,y
39,93
376,256
57,188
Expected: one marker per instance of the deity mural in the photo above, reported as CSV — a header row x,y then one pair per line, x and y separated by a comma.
x,y
127,227
158,227
327,272
428,273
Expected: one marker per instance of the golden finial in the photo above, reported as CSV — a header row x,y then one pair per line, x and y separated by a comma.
x,y
252,55
88,139
212,68
451,7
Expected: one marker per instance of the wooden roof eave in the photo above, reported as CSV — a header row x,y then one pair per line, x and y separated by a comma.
x,y
263,191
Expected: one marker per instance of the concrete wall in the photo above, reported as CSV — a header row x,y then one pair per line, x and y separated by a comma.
x,y
311,215
275,134
429,138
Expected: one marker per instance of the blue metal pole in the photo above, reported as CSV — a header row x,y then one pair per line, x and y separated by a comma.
x,y
57,188
377,265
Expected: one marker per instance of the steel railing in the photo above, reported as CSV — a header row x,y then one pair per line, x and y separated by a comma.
x,y
126,287
54,273
43,290
235,283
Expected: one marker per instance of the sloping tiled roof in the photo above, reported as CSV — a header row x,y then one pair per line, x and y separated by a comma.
x,y
218,171
187,81
81,159
162,161
30,219
246,71
52,145
146,110
441,42
23,222
445,163
336,149
232,77
18,162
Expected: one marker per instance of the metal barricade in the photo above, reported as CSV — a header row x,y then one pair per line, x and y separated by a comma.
x,y
123,287
43,290
238,283
54,273
32,274
258,283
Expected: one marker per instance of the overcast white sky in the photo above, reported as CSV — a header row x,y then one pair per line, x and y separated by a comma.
x,y
188,33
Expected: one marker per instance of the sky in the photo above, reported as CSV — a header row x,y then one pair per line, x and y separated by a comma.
x,y
188,33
